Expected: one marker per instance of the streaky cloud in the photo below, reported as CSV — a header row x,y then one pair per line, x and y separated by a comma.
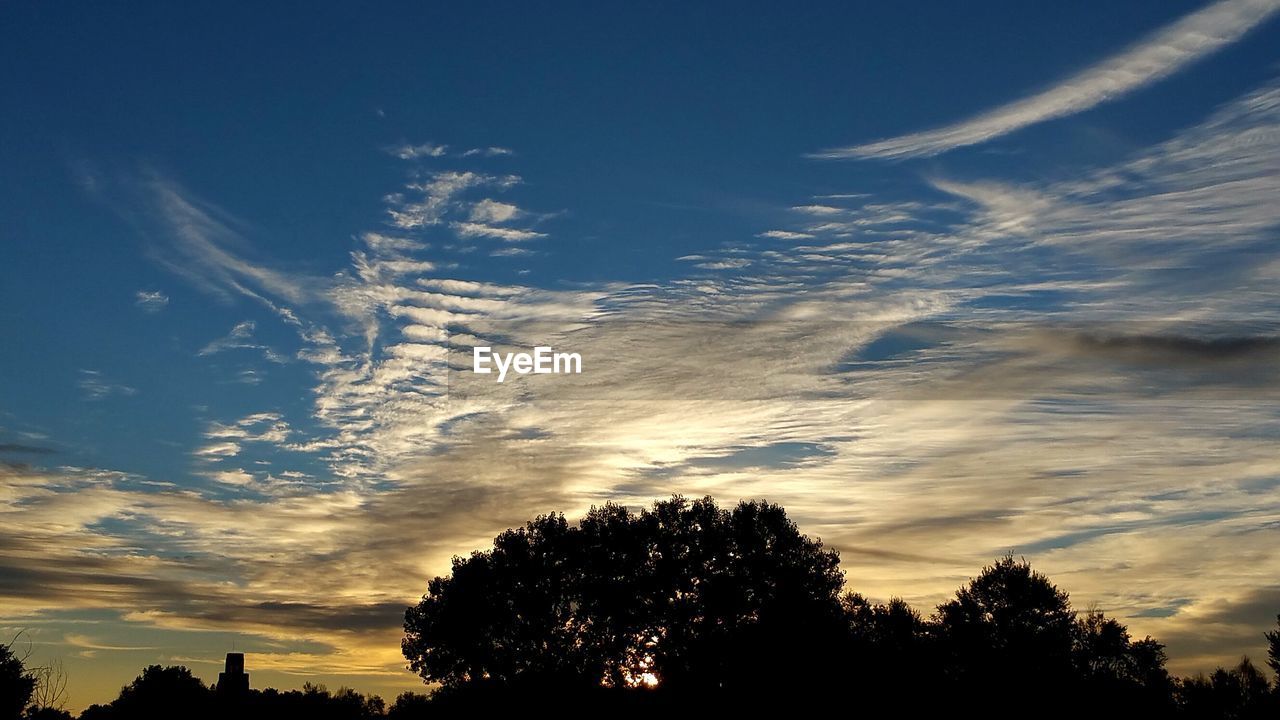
x,y
1156,57
151,301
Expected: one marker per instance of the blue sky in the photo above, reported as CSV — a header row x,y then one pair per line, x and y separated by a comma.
x,y
944,279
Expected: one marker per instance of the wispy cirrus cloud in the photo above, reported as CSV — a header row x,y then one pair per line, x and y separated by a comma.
x,y
218,450
95,386
266,427
240,337
491,151
474,230
1153,58
413,152
203,245
151,301
409,151
784,235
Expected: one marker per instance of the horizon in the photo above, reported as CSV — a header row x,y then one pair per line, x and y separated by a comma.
x,y
944,282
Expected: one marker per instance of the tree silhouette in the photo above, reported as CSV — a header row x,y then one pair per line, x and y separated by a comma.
x,y
16,684
1009,626
159,692
1273,649
45,712
1010,637
1241,693
30,692
173,692
506,616
892,652
50,691
685,595
409,705
742,598
1116,672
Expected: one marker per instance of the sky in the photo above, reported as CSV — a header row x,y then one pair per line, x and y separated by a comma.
x,y
945,280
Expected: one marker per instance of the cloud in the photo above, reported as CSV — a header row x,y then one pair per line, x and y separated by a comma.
x,y
726,264
151,301
492,211
784,235
232,477
26,449
474,230
488,152
1154,58
1165,350
234,339
249,376
259,427
219,450
240,338
819,210
435,197
201,251
1200,631
207,246
96,387
413,152
511,252
88,643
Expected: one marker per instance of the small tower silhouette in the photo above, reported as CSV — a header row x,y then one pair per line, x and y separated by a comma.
x,y
233,680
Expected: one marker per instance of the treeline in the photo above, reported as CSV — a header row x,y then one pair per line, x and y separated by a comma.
x,y
686,604
686,607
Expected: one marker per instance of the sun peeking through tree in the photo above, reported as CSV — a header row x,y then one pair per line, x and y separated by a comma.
x,y
685,595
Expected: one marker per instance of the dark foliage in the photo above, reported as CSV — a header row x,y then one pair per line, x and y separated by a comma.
x,y
1241,693
16,684
409,705
29,693
172,692
1273,648
47,713
686,595
154,694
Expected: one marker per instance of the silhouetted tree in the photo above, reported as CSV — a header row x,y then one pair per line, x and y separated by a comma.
x,y
158,693
16,684
46,713
1241,693
507,615
893,633
892,653
50,691
686,595
409,706
314,702
1116,673
1273,650
742,599
1009,627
